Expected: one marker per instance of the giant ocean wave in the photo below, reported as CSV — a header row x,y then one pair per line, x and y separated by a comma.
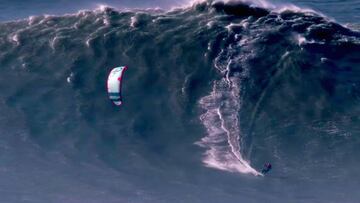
x,y
246,83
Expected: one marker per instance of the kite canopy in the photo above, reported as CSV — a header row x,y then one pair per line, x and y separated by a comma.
x,y
114,84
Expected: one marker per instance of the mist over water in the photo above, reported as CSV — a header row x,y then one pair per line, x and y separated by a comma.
x,y
23,9
213,91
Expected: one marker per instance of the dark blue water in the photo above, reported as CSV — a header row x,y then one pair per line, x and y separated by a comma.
x,y
213,91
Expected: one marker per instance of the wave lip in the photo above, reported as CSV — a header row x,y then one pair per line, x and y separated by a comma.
x,y
239,9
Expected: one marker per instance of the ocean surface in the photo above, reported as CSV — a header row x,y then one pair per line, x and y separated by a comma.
x,y
213,90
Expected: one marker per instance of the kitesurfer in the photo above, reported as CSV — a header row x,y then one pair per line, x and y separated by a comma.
x,y
266,169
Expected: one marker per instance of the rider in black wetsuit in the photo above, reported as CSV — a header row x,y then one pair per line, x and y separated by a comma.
x,y
267,168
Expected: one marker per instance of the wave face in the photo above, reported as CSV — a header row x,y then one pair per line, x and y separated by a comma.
x,y
220,83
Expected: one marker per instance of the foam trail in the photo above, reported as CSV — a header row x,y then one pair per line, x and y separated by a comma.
x,y
223,131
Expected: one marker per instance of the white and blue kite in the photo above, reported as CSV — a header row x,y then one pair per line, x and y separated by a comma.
x,y
114,84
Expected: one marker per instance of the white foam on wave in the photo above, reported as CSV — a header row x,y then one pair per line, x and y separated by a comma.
x,y
272,6
221,119
300,39
133,21
32,20
69,79
223,139
106,21
353,26
259,3
15,38
102,7
87,41
223,131
53,42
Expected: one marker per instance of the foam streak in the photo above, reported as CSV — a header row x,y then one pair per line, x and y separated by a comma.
x,y
223,131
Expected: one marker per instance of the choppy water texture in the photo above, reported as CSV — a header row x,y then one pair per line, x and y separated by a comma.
x,y
213,91
343,11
